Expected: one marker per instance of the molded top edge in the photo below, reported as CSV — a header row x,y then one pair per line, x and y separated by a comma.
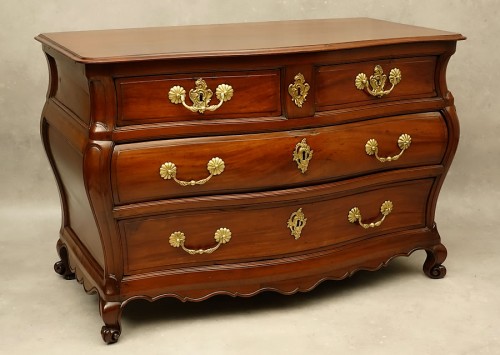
x,y
257,38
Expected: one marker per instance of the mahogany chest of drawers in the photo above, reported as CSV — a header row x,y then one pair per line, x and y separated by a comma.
x,y
233,159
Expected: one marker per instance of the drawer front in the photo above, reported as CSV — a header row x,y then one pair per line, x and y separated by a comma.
x,y
336,84
258,232
266,161
149,99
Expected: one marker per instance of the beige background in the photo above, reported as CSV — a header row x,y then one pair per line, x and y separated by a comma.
x,y
372,313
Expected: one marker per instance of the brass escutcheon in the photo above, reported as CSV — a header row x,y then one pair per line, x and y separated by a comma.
x,y
298,90
302,155
296,223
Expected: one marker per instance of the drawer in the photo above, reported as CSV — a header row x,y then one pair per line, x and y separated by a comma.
x,y
336,84
266,161
148,99
262,231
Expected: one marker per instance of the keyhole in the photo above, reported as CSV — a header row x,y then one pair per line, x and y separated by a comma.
x,y
298,91
298,223
201,97
305,154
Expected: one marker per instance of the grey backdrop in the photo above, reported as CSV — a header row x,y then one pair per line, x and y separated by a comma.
x,y
472,74
29,202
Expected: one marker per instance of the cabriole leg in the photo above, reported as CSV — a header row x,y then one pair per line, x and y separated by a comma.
x,y
111,315
435,257
62,266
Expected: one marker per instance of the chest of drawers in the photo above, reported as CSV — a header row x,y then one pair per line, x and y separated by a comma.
x,y
234,159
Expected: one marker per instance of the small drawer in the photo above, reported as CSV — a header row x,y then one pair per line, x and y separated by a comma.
x,y
159,98
286,227
245,163
346,85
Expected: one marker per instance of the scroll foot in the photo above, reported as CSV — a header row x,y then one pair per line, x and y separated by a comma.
x,y
432,265
110,335
111,314
62,267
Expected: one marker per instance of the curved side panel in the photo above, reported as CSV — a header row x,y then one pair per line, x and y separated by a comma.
x,y
97,163
64,137
97,182
44,132
52,88
440,77
450,116
77,216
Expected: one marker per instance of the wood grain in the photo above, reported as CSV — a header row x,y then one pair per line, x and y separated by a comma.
x,y
145,99
335,84
260,232
281,37
265,161
107,126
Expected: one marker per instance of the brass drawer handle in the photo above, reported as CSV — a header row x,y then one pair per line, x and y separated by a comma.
x,y
201,96
302,155
354,215
296,223
222,236
299,89
375,86
215,166
371,148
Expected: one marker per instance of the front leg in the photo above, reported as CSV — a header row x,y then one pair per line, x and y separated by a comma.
x,y
435,257
111,314
62,267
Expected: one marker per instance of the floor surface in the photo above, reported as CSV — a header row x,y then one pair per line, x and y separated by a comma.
x,y
392,311
396,310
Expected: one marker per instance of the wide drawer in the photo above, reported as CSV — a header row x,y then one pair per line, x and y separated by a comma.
x,y
336,85
149,99
262,231
266,161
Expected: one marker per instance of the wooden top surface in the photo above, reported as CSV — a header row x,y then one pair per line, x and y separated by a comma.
x,y
281,37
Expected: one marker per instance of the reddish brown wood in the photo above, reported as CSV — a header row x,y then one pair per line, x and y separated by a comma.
x,y
108,125
146,240
62,267
336,189
433,263
256,38
335,86
308,107
111,314
264,161
145,99
285,275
